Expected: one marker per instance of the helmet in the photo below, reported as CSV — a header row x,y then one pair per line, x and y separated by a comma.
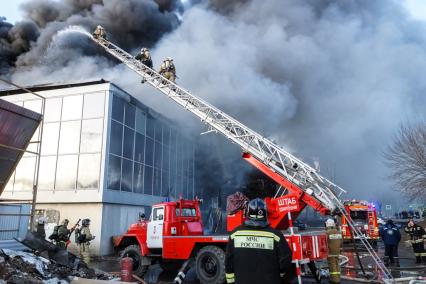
x,y
389,222
169,59
65,222
143,49
99,27
257,213
85,222
330,223
41,220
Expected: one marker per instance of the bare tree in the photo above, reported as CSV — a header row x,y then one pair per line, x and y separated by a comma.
x,y
406,158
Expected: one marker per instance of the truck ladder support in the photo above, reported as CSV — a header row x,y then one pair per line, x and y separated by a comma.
x,y
290,168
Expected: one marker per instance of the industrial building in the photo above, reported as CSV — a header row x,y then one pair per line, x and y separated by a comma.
x,y
104,156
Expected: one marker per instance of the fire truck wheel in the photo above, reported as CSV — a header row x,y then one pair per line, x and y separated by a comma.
x,y
134,252
210,265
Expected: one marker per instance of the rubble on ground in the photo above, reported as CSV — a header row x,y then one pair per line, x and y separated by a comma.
x,y
25,267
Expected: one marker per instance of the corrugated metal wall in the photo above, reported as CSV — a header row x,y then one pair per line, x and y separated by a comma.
x,y
12,224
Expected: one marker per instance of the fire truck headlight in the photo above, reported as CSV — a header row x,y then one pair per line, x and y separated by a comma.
x,y
309,191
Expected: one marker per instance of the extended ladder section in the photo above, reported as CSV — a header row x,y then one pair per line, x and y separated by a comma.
x,y
271,155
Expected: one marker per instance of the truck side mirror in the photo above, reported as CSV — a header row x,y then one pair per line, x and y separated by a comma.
x,y
141,215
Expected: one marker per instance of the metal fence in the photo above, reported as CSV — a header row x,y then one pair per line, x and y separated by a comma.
x,y
14,220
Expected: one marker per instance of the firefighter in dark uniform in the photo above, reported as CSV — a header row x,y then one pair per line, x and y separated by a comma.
x,y
256,253
334,240
144,56
391,237
417,236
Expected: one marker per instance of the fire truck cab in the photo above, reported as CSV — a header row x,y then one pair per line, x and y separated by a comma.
x,y
364,216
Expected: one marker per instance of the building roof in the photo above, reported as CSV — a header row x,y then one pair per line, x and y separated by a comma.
x,y
49,86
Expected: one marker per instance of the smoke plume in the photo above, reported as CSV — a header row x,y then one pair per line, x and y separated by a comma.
x,y
326,79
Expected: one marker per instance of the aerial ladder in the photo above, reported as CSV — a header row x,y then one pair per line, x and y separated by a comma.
x,y
292,174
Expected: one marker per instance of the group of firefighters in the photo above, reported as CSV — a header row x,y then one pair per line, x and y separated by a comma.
x,y
256,253
61,235
167,68
256,240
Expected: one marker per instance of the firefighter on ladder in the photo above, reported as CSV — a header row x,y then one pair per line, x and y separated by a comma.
x,y
99,32
144,57
256,253
168,69
417,237
334,240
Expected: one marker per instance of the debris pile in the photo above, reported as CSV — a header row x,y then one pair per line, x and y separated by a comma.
x,y
24,267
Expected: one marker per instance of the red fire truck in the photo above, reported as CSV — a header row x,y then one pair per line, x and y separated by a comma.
x,y
174,232
364,217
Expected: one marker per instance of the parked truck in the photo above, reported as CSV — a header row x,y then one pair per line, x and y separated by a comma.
x,y
364,216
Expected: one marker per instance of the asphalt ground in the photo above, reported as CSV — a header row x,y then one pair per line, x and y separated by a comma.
x,y
405,267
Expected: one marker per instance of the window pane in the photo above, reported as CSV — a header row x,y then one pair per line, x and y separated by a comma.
x,y
114,172
94,105
157,182
53,110
138,178
129,137
140,121
24,174
88,171
50,139
69,141
139,148
91,135
71,107
158,132
165,163
66,172
34,105
165,184
166,135
117,108
130,115
116,138
148,180
47,172
127,175
150,127
149,153
158,155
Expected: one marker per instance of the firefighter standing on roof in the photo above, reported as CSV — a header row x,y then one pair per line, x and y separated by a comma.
x,y
83,237
168,69
256,253
334,240
417,237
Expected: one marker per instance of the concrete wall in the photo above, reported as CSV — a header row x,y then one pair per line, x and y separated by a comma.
x,y
116,220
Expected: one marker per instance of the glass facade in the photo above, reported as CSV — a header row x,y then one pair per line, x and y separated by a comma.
x,y
146,154
72,144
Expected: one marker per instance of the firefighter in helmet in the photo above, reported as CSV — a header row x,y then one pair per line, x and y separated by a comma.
x,y
63,234
334,240
391,237
144,56
83,237
40,231
99,33
256,253
168,69
417,237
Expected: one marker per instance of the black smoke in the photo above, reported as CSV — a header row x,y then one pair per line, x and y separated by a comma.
x,y
130,23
